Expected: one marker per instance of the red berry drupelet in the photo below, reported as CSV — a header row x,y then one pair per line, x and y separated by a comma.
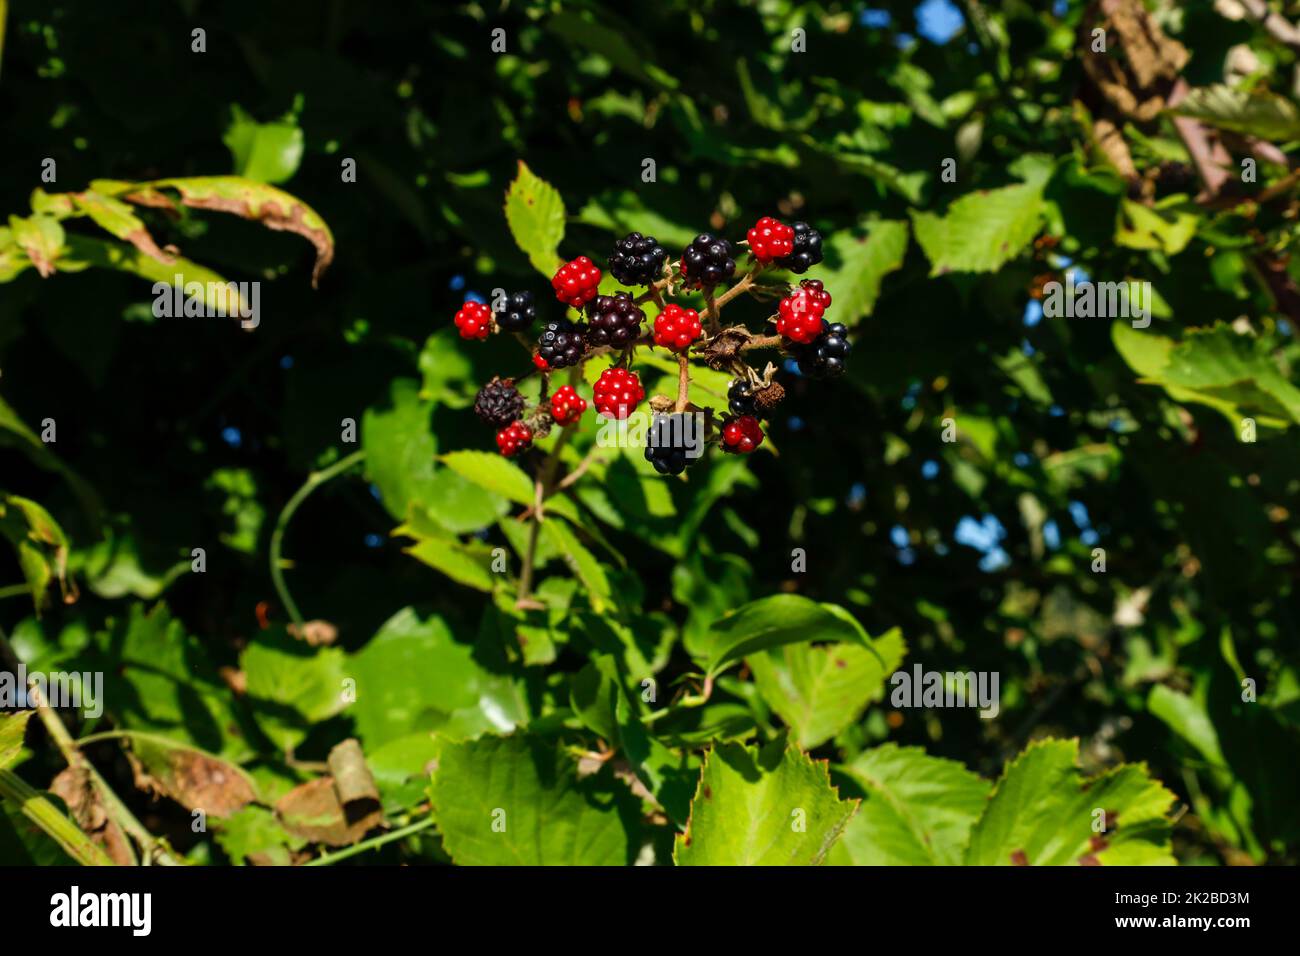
x,y
576,282
799,316
514,438
677,328
770,239
474,320
707,261
617,392
613,320
567,405
741,435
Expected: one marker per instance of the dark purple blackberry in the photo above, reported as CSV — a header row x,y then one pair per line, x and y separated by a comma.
x,y
613,320
707,261
562,343
674,442
637,259
807,249
824,356
498,403
518,314
740,398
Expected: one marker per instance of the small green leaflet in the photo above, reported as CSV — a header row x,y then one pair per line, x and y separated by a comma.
x,y
771,622
768,807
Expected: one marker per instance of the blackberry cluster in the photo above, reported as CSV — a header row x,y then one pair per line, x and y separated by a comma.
x,y
498,403
613,320
807,249
666,446
824,356
519,312
637,259
562,343
708,261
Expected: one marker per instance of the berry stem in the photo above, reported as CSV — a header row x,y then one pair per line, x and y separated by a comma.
x,y
738,289
683,382
543,487
762,342
712,310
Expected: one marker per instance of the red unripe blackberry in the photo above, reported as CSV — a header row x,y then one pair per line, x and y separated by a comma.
x,y
514,438
807,250
707,261
824,357
637,259
576,282
741,435
519,312
613,320
677,328
799,316
474,320
498,403
617,392
770,239
567,405
561,344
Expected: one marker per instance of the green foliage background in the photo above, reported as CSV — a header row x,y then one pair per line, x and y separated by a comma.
x,y
1073,434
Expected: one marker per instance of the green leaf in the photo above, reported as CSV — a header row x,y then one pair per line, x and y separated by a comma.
x,y
41,239
535,214
1043,811
819,691
462,564
916,810
400,448
1260,113
291,685
984,230
41,545
255,832
414,676
1162,228
857,265
503,478
218,294
12,729
771,622
518,801
768,807
1188,719
581,562
268,152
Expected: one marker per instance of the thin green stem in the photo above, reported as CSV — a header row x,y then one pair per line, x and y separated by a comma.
x,y
364,845
314,481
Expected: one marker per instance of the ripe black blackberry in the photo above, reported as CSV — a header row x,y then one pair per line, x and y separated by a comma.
x,y
498,403
637,259
824,356
740,398
708,261
519,312
561,343
673,442
613,320
807,249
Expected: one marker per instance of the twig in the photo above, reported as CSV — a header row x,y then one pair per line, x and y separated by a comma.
x,y
740,288
683,381
542,489
326,859
314,481
712,310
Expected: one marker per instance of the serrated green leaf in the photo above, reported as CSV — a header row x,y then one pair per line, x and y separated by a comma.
x,y
917,810
981,231
857,265
581,562
518,801
1043,812
820,690
535,214
768,807
291,685
1260,113
504,478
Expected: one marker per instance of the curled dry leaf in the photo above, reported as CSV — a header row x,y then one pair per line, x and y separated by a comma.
x,y
75,787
